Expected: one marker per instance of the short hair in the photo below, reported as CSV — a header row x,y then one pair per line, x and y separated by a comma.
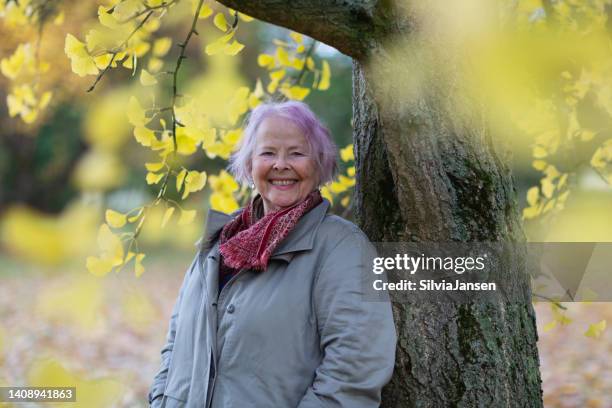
x,y
317,135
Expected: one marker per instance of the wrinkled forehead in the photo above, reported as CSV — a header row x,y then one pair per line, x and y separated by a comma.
x,y
277,131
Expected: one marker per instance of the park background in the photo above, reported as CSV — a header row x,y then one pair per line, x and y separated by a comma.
x,y
67,156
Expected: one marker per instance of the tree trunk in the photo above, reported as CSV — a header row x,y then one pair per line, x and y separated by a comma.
x,y
426,173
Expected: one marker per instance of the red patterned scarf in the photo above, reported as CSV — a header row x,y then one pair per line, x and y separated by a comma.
x,y
248,242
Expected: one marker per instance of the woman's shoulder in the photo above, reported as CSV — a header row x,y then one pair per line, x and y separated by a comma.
x,y
340,229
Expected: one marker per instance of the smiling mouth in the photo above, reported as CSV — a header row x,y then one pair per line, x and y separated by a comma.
x,y
283,182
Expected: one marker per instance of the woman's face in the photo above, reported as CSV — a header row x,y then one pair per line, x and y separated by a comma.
x,y
283,169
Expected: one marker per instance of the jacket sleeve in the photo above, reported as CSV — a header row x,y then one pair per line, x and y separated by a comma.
x,y
357,334
156,390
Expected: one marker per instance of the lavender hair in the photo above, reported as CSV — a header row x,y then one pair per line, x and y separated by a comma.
x,y
316,134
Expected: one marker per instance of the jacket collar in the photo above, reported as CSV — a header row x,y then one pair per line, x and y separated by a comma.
x,y
301,238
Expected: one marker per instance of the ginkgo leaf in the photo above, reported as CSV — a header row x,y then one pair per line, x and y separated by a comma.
x,y
532,196
265,60
596,329
549,326
325,77
351,171
161,46
347,154
154,166
115,219
111,246
153,178
245,18
297,93
146,78
167,215
219,44
205,11
136,113
277,75
220,22
187,216
234,48
194,181
98,267
144,136
138,267
297,37
180,178
282,56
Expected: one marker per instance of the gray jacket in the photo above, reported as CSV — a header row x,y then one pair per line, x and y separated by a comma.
x,y
296,335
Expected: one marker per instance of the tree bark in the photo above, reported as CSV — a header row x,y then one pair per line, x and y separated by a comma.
x,y
425,176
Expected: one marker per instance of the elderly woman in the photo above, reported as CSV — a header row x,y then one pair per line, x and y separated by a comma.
x,y
272,312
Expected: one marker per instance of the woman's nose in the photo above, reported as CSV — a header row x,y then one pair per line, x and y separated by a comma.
x,y
280,163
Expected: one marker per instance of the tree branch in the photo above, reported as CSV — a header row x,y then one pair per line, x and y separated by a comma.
x,y
349,26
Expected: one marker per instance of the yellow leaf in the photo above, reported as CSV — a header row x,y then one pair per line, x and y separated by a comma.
x,y
539,164
220,22
153,178
310,63
297,93
187,216
223,202
167,215
144,136
138,268
136,114
325,77
345,181
161,46
219,45
596,329
265,60
115,219
234,48
347,153
245,18
539,152
154,166
98,267
194,181
531,212
351,171
547,187
146,78
532,196
111,246
282,56
155,64
205,11
180,178
325,193
298,64
297,37
345,201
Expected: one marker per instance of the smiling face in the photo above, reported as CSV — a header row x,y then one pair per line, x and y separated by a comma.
x,y
283,169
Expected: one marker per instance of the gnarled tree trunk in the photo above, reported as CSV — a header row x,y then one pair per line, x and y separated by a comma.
x,y
430,178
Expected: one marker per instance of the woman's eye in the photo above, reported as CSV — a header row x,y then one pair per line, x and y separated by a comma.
x,y
266,153
297,154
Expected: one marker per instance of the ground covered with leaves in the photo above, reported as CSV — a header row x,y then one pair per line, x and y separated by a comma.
x,y
105,335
